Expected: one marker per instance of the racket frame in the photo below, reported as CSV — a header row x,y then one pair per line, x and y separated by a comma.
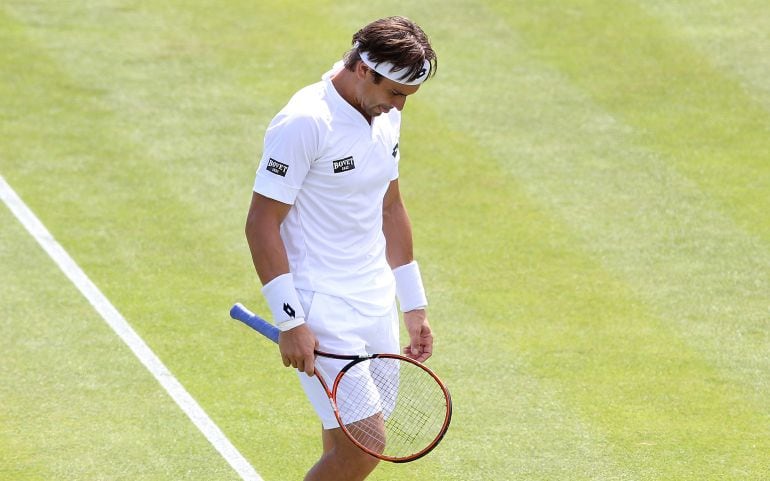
x,y
241,313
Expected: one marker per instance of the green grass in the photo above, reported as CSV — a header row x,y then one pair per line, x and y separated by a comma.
x,y
588,183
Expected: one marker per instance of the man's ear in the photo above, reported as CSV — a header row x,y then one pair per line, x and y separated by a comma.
x,y
361,70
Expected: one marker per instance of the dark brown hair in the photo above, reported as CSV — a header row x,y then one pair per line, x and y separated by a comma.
x,y
397,40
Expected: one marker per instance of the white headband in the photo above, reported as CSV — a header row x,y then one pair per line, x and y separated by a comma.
x,y
390,71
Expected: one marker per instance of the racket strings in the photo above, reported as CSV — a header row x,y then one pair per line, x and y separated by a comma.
x,y
391,407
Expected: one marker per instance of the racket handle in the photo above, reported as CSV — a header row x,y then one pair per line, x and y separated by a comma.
x,y
239,312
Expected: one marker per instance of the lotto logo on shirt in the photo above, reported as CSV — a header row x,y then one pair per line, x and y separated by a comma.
x,y
343,165
278,168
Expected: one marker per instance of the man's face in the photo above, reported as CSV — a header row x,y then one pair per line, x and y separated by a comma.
x,y
379,98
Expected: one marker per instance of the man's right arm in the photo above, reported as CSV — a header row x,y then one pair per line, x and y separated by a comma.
x,y
268,253
263,234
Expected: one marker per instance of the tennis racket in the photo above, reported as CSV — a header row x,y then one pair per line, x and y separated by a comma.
x,y
390,406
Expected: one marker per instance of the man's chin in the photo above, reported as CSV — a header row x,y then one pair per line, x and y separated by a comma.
x,y
377,111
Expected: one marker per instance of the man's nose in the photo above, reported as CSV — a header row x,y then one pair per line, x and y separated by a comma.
x,y
399,103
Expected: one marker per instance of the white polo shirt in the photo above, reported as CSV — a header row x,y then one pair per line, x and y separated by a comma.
x,y
322,157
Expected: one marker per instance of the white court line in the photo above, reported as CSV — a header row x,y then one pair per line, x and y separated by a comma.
x,y
124,330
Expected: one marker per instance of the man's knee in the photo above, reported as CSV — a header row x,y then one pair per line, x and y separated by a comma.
x,y
342,450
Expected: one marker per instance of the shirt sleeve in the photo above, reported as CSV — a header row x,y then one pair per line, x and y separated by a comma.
x,y
394,172
395,116
291,145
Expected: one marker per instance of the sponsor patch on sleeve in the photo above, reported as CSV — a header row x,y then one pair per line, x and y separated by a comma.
x,y
278,168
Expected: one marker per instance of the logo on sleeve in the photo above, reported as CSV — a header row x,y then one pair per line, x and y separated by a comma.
x,y
395,151
278,168
343,165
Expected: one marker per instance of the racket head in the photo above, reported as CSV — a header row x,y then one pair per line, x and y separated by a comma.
x,y
392,407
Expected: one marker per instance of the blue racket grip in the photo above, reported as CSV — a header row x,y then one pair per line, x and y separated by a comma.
x,y
239,312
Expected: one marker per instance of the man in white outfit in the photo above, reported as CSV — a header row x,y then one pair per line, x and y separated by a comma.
x,y
328,231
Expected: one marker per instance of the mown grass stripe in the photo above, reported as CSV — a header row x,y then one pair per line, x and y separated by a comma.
x,y
77,404
735,36
483,276
699,117
64,93
649,227
665,231
126,333
589,338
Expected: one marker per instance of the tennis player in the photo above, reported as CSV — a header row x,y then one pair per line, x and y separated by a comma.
x,y
328,231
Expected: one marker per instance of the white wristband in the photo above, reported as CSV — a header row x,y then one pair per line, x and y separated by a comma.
x,y
409,288
283,302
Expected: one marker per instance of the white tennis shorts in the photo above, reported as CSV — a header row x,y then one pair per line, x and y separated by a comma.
x,y
341,329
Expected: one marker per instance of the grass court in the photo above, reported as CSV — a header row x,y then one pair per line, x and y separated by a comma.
x,y
589,184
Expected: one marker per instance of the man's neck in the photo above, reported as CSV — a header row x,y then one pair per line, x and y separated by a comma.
x,y
344,82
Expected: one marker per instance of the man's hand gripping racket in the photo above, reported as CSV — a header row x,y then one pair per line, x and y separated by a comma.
x,y
390,406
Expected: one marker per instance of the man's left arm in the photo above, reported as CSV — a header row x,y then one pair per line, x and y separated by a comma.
x,y
399,252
